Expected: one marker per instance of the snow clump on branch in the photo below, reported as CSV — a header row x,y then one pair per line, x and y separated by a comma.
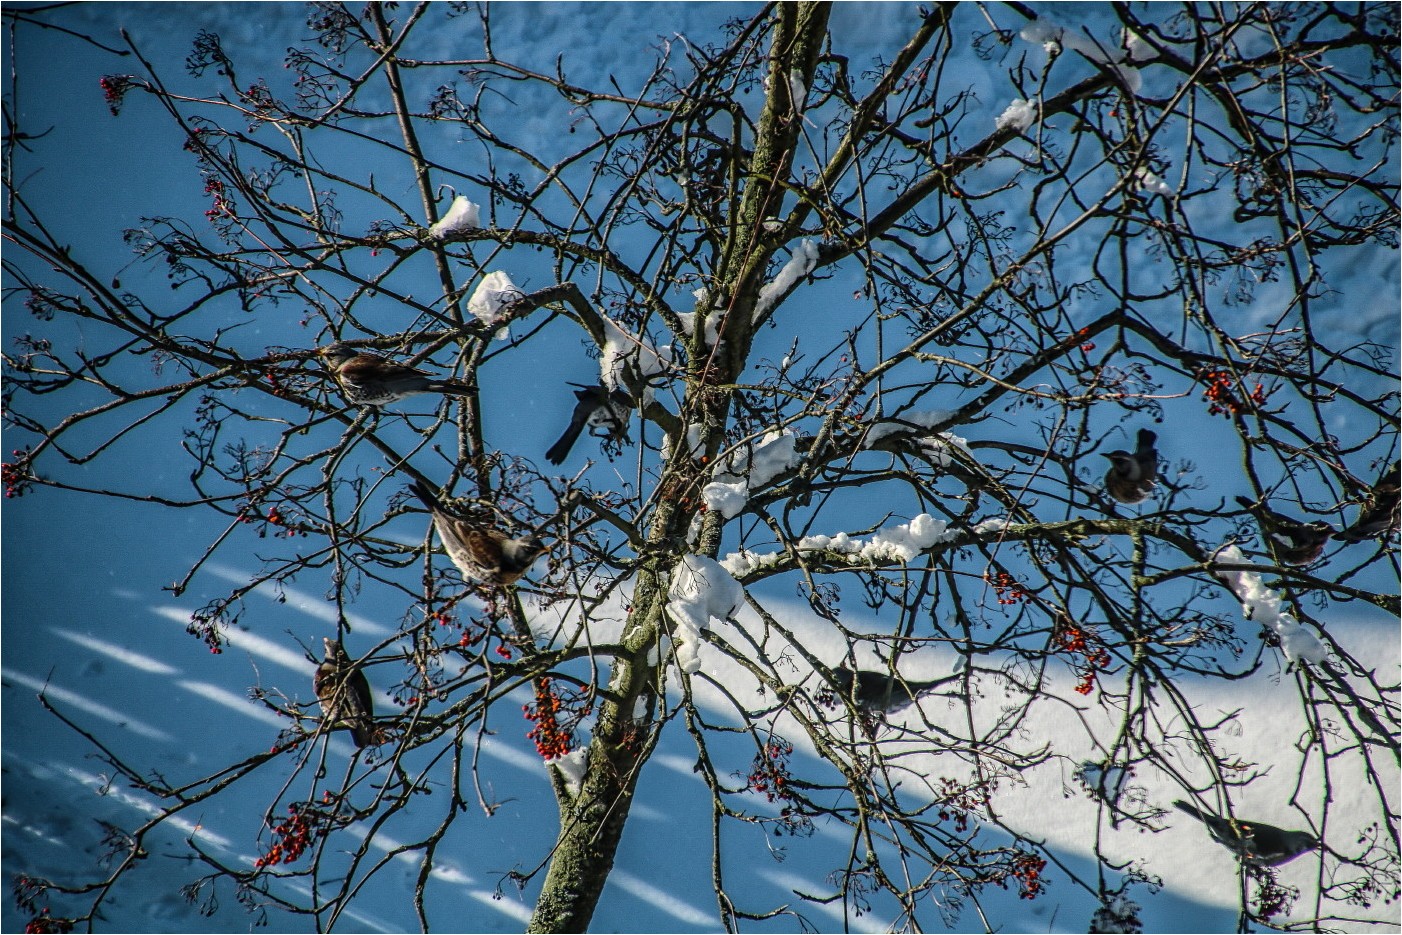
x,y
701,589
1261,604
1019,115
803,262
492,297
463,215
750,469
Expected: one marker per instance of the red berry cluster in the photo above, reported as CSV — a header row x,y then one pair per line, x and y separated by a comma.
x,y
274,517
206,627
114,88
1027,870
194,142
1272,899
274,378
15,475
223,206
294,836
1076,641
1226,394
958,801
44,923
769,773
1006,587
551,739
1088,346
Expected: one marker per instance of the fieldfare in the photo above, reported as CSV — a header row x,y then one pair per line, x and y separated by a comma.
x,y
344,693
1259,845
597,408
879,691
371,380
481,552
1292,542
1132,475
1379,514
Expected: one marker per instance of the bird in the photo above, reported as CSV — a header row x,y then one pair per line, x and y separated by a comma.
x,y
596,408
879,691
1132,475
1292,542
1256,843
371,380
482,553
344,693
1379,514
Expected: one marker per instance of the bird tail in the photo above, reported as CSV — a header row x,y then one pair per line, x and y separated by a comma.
x,y
450,387
1185,807
362,735
561,449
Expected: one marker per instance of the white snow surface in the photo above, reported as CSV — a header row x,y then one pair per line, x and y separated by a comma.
x,y
1019,115
899,543
492,296
624,351
701,589
463,215
572,767
748,469
803,262
1262,605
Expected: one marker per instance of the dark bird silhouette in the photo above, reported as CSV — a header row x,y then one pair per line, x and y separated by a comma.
x,y
371,380
1133,474
879,691
1379,514
1258,844
596,408
344,693
481,552
1292,541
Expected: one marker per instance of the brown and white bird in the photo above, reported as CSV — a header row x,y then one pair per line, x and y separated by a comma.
x,y
879,691
1256,843
1133,474
371,380
344,693
481,552
1379,515
596,408
1292,541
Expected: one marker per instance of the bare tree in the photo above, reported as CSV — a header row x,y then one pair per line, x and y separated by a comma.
x,y
862,337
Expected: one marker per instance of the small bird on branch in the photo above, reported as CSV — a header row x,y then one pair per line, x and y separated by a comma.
x,y
1256,843
1132,475
1292,541
371,380
480,551
344,693
1379,514
597,408
879,691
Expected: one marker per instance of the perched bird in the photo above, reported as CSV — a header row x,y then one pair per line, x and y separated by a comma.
x,y
1379,514
1132,475
1292,542
344,693
1259,845
371,380
597,409
879,691
482,553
